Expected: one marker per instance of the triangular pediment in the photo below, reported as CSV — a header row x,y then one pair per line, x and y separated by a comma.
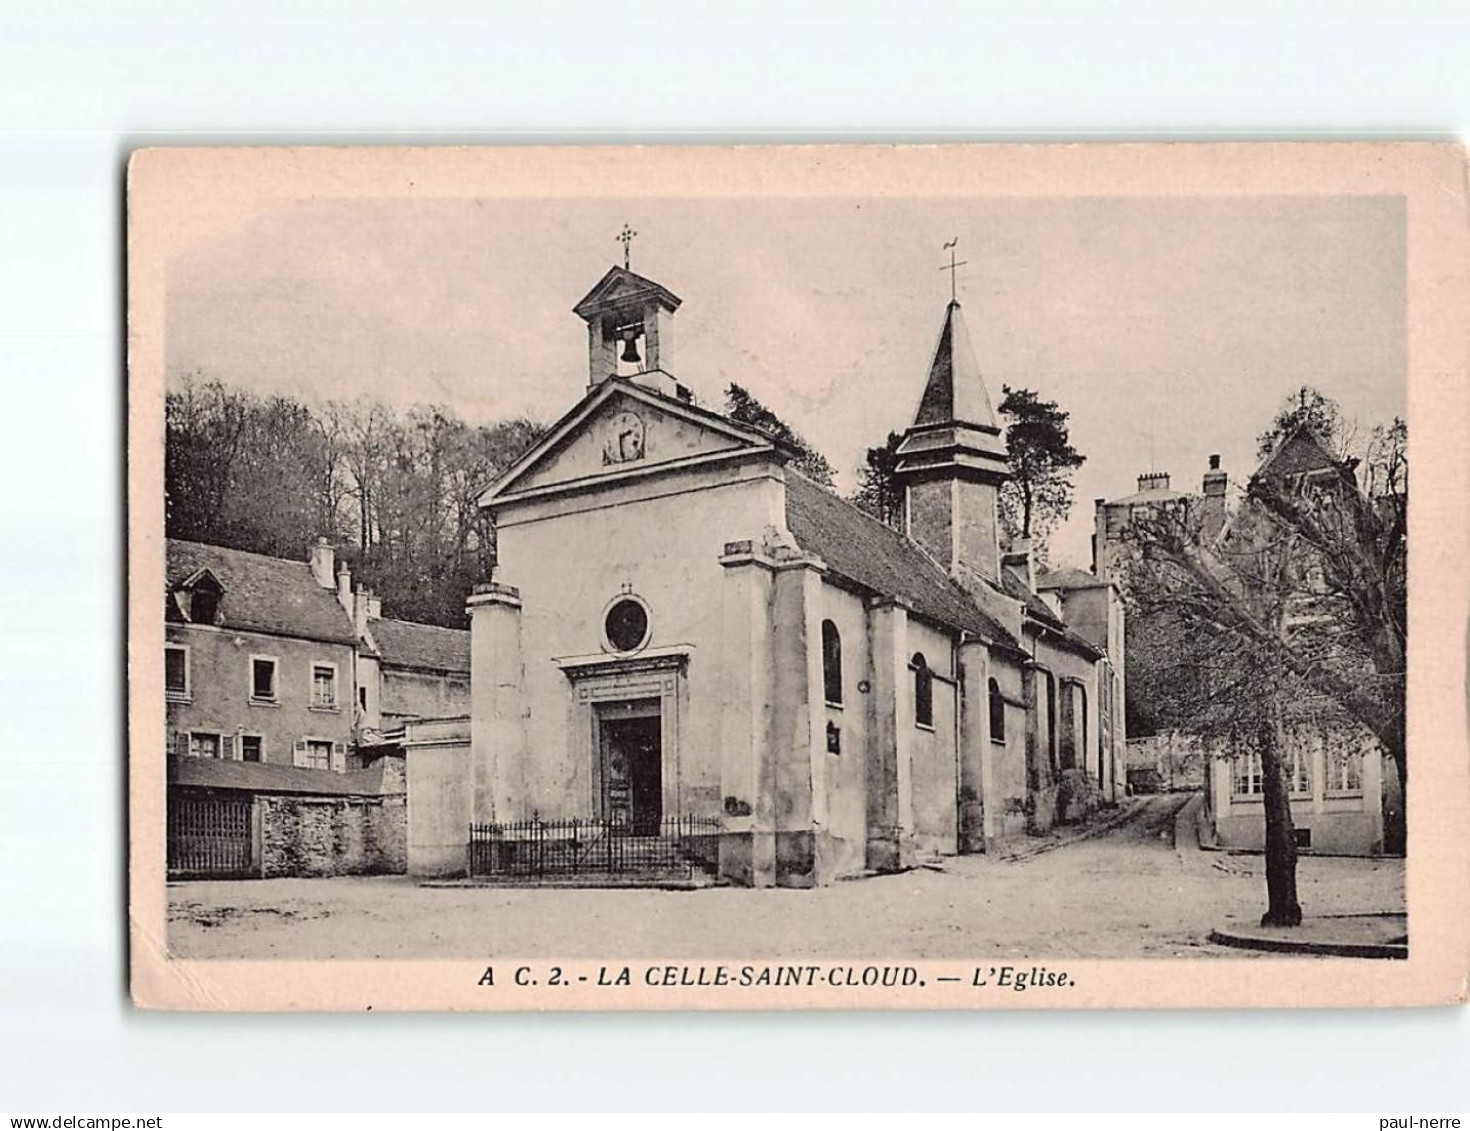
x,y
621,286
620,430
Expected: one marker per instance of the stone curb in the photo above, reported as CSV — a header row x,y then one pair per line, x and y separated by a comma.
x,y
1127,810
1245,941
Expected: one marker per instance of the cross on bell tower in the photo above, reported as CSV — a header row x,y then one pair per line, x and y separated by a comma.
x,y
626,237
952,267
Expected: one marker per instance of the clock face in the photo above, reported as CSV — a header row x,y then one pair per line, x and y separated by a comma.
x,y
624,440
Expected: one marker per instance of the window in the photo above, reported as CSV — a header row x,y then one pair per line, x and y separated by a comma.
x,y
1082,723
997,713
204,745
1300,765
1246,780
324,687
834,738
252,746
1344,771
204,604
176,671
362,697
923,691
831,663
263,679
625,626
314,754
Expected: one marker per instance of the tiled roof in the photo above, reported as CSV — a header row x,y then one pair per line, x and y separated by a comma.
x,y
264,777
403,643
878,558
262,594
1016,589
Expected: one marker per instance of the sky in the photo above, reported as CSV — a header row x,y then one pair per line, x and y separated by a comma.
x,y
1169,328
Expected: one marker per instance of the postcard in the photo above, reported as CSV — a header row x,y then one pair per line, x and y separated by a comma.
x,y
798,577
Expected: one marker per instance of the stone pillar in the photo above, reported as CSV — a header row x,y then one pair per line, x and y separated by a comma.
x,y
658,338
748,840
977,797
497,711
799,716
890,740
602,355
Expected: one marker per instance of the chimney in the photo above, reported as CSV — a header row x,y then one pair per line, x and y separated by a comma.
x,y
1020,558
344,587
1153,481
1212,507
360,600
322,559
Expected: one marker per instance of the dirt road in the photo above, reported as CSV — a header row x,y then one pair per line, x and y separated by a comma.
x,y
1128,893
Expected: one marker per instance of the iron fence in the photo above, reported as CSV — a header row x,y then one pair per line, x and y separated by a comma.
x,y
575,846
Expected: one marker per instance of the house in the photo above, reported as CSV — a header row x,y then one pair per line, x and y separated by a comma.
x,y
679,626
259,659
278,676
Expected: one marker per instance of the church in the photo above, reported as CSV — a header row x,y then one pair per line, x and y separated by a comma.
x,y
679,623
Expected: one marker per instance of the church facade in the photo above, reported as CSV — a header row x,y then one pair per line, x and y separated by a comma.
x,y
680,623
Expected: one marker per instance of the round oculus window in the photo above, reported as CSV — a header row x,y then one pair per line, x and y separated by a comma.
x,y
626,625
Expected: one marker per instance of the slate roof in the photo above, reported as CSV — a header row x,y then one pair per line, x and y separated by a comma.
x,y
878,558
261,594
403,643
265,777
955,390
1296,452
1069,577
1152,495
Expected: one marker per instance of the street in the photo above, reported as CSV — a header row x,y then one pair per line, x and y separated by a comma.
x,y
1127,893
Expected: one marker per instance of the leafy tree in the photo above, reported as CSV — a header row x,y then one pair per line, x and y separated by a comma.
x,y
878,491
1042,459
744,408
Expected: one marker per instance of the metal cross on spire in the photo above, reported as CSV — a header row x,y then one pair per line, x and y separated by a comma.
x,y
953,268
625,237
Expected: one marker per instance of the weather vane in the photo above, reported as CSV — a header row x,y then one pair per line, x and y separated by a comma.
x,y
953,268
625,237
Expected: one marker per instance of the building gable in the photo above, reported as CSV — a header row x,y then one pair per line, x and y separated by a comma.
x,y
618,430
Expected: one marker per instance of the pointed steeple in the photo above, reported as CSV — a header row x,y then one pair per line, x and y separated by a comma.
x,y
955,391
953,459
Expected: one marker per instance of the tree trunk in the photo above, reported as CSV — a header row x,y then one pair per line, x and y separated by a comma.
x,y
1282,908
1396,809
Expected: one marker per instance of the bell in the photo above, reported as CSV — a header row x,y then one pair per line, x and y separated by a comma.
x,y
630,350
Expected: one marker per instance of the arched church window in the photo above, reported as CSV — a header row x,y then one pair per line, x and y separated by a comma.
x,y
1051,720
831,663
923,691
625,625
997,713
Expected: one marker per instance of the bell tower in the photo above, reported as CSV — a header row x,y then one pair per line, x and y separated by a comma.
x,y
630,328
952,460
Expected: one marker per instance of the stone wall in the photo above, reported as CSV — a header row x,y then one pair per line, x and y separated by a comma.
x,y
331,836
